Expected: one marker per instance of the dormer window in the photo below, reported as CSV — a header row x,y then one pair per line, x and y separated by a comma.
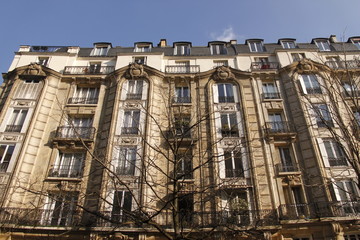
x,y
182,49
100,49
356,42
142,47
218,49
323,45
256,46
288,44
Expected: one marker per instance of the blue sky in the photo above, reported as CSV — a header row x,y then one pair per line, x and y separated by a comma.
x,y
123,22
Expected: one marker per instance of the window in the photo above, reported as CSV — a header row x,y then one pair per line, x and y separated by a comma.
x,y
182,126
322,115
184,169
310,84
139,60
6,152
225,92
219,63
99,51
276,123
186,209
236,207
135,89
270,91
229,125
182,49
131,122
60,209
68,165
334,153
77,128
351,90
323,45
43,61
347,194
357,117
17,120
288,44
28,89
297,56
256,46
182,94
286,160
218,49
143,48
233,164
122,205
125,161
85,95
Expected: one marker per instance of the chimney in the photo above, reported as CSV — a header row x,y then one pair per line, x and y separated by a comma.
x,y
162,43
233,42
333,39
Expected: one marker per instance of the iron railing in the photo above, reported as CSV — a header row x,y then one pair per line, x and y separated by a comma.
x,y
13,128
264,65
182,69
271,95
66,171
133,96
337,161
83,100
351,64
229,132
279,127
313,90
88,69
179,132
129,130
68,132
226,99
186,99
234,173
286,168
4,166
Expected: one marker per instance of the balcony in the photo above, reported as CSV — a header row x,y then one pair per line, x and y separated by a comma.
x,y
133,96
88,70
226,99
66,135
13,128
83,101
280,131
38,217
319,210
313,90
229,132
179,134
270,95
182,69
234,173
264,65
337,161
338,65
186,99
281,168
3,167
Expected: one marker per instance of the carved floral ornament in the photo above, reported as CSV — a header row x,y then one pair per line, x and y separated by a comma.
x,y
136,71
306,66
223,73
33,70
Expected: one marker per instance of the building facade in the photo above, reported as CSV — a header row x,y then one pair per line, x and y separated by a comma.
x,y
228,140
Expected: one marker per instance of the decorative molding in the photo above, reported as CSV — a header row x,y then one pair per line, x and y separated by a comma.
x,y
223,73
32,70
136,71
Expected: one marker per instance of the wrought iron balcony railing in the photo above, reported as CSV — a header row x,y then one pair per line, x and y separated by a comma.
x,y
133,96
68,132
337,161
182,69
271,95
226,99
88,70
264,66
13,128
83,100
130,130
229,132
313,90
38,217
322,123
351,64
4,166
234,173
182,99
279,127
66,171
286,168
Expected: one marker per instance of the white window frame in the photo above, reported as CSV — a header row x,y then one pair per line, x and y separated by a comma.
x,y
118,213
256,46
17,118
142,48
323,45
296,57
229,92
139,60
99,51
28,89
125,160
87,94
182,94
310,84
218,49
44,61
220,63
288,44
236,167
5,158
58,204
182,49
356,42
131,120
286,159
228,124
325,118
271,89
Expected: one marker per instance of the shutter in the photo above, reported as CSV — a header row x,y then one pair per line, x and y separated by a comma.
x,y
323,152
215,93
302,84
124,90
221,163
218,124
313,116
236,93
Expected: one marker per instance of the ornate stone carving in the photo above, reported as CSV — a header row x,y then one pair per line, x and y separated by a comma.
x,y
33,70
338,231
292,180
305,66
136,71
10,138
223,73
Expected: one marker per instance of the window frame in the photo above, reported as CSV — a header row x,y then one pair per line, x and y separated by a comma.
x,y
325,118
5,156
144,48
233,163
182,49
99,51
288,44
310,84
323,45
229,125
130,124
218,49
273,93
125,160
59,209
85,95
256,46
16,122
